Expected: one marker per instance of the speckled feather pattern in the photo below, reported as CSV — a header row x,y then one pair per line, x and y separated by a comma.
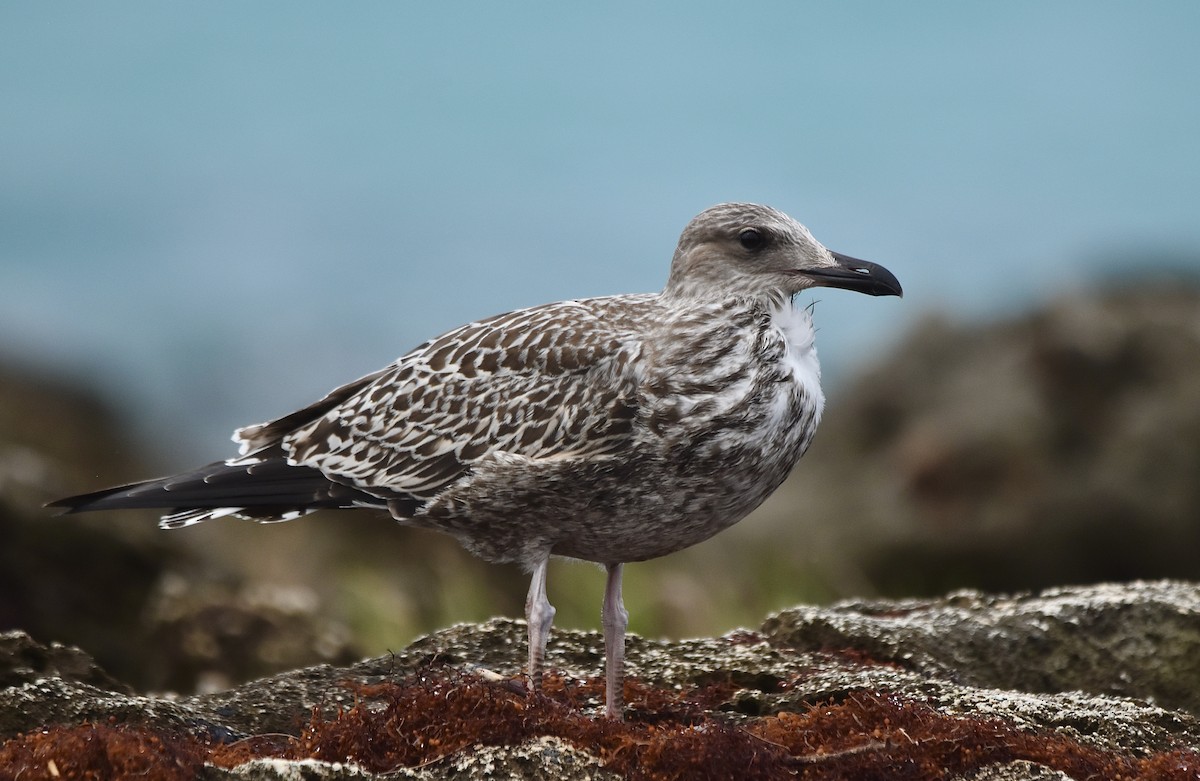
x,y
607,429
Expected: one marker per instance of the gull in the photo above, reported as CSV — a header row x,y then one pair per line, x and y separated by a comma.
x,y
610,430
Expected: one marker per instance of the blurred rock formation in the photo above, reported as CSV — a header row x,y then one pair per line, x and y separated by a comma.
x,y
152,609
1061,446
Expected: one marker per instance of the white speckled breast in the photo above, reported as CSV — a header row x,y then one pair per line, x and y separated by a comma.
x,y
795,324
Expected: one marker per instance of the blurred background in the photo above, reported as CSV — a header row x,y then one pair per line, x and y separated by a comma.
x,y
211,214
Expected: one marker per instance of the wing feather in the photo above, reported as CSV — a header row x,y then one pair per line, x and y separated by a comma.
x,y
552,381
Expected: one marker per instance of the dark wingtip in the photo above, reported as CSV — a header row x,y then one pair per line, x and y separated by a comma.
x,y
97,500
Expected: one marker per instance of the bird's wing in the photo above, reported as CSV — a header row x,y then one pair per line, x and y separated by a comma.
x,y
548,382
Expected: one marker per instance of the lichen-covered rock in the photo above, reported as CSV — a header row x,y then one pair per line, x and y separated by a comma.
x,y
1134,640
1017,771
1068,684
272,769
540,759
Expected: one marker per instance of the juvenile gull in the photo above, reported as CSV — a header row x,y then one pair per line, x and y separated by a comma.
x,y
611,429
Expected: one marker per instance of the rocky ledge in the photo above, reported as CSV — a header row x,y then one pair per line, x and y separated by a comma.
x,y
1071,683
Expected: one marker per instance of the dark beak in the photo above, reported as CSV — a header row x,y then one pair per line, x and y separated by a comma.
x,y
862,276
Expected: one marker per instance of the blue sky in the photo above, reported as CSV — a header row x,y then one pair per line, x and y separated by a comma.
x,y
215,212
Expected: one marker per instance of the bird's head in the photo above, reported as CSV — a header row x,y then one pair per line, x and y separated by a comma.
x,y
744,249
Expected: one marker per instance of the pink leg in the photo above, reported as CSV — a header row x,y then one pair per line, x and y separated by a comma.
x,y
539,615
615,619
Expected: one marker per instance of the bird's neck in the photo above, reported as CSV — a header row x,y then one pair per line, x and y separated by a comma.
x,y
707,298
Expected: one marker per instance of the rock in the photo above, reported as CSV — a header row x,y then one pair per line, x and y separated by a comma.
x,y
1072,683
1017,771
24,660
1130,640
540,759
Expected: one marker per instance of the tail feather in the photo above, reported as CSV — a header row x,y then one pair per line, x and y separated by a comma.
x,y
267,490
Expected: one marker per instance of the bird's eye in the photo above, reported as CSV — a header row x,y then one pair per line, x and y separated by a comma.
x,y
752,239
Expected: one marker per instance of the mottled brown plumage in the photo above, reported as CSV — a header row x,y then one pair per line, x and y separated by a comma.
x,y
610,429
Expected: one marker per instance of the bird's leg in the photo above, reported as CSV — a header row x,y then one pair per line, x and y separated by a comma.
x,y
539,615
615,619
